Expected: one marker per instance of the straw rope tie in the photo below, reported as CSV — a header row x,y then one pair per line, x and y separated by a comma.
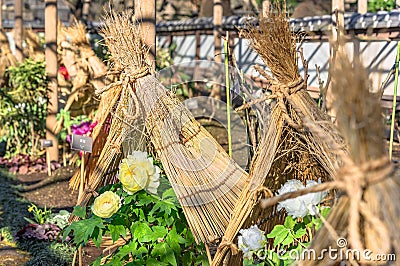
x,y
354,180
230,245
284,91
280,92
90,190
125,79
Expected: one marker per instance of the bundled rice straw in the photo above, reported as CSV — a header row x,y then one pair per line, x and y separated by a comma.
x,y
6,57
90,67
34,48
86,70
206,180
367,216
288,150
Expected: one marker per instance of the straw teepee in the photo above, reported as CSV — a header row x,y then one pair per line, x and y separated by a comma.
x,y
288,150
206,180
367,215
7,59
33,49
85,69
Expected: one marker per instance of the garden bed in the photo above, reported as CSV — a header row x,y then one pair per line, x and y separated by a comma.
x,y
14,204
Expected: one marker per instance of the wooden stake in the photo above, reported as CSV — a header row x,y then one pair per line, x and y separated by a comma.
x,y
81,186
80,255
48,162
208,254
18,31
51,71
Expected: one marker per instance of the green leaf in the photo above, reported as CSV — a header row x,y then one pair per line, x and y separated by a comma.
x,y
289,222
116,231
278,229
288,240
300,233
142,232
154,262
159,232
165,253
325,211
79,212
97,236
280,237
83,229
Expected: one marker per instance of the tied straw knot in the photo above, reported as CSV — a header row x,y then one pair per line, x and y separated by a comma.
x,y
90,190
230,245
126,78
353,180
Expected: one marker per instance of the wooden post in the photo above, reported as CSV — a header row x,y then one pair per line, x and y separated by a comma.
x,y
265,8
362,6
48,162
1,14
145,12
18,26
51,70
338,25
85,11
217,13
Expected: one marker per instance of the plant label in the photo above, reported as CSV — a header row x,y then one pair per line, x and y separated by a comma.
x,y
46,143
81,143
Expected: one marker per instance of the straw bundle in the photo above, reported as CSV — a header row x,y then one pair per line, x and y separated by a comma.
x,y
288,150
368,214
6,57
206,180
90,67
34,48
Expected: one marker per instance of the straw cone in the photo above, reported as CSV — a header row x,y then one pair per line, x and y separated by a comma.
x,y
367,216
288,150
206,180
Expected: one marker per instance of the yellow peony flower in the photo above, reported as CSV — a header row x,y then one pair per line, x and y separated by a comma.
x,y
106,204
137,172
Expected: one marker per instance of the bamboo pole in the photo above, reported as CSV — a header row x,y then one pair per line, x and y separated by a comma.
x,y
51,71
337,25
18,27
265,7
85,11
362,6
217,13
1,14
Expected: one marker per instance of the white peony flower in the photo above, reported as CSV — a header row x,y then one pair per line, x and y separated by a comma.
x,y
137,172
302,205
251,240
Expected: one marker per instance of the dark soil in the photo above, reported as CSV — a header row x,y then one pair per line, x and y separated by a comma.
x,y
50,192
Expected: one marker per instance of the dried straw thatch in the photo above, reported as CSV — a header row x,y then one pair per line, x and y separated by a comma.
x,y
206,180
7,59
34,49
367,216
288,150
89,67
85,69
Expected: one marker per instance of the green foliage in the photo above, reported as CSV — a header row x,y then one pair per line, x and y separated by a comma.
x,y
41,216
294,234
164,57
23,107
60,219
158,230
381,5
